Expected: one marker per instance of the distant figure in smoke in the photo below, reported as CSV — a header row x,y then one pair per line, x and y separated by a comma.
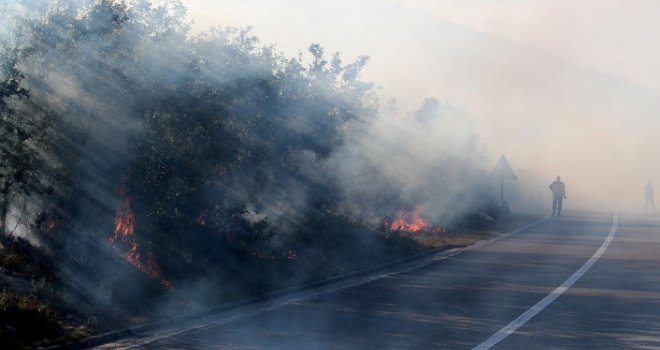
x,y
648,196
558,195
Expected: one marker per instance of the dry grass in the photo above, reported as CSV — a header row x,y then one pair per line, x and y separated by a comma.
x,y
463,238
31,314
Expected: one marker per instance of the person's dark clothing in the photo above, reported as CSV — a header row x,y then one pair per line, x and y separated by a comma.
x,y
648,196
558,194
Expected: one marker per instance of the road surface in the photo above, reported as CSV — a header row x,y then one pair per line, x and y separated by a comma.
x,y
577,281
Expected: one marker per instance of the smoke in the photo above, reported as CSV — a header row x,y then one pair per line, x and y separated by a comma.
x,y
430,160
561,89
244,169
178,160
145,121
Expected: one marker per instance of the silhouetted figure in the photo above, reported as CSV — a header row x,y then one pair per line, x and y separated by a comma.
x,y
558,195
648,197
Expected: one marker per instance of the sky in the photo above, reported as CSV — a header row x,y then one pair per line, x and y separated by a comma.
x,y
560,87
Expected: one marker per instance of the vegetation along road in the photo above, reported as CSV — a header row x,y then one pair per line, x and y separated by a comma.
x,y
605,266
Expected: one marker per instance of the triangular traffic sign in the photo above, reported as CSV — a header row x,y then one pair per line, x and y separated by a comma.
x,y
503,170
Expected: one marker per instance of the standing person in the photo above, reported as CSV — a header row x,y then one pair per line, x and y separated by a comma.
x,y
648,196
558,195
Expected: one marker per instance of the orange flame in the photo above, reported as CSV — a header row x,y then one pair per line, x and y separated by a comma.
x,y
124,234
412,222
124,220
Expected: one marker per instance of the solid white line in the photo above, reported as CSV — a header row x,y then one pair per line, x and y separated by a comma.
x,y
534,310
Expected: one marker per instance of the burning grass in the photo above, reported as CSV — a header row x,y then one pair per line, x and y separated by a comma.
x,y
324,247
412,222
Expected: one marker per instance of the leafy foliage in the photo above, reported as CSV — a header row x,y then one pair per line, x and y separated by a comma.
x,y
220,143
220,151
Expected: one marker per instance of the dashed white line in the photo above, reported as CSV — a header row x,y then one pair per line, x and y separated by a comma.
x,y
534,310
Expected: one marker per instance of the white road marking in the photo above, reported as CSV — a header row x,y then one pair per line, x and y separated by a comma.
x,y
534,310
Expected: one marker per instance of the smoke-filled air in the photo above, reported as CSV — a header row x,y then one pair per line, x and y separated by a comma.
x,y
161,159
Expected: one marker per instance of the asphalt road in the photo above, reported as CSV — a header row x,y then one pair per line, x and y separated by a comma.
x,y
612,300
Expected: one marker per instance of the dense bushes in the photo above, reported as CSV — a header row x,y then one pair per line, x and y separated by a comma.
x,y
150,159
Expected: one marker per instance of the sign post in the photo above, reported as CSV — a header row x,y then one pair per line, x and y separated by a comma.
x,y
503,172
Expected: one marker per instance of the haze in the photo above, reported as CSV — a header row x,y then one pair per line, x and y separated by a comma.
x,y
561,87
